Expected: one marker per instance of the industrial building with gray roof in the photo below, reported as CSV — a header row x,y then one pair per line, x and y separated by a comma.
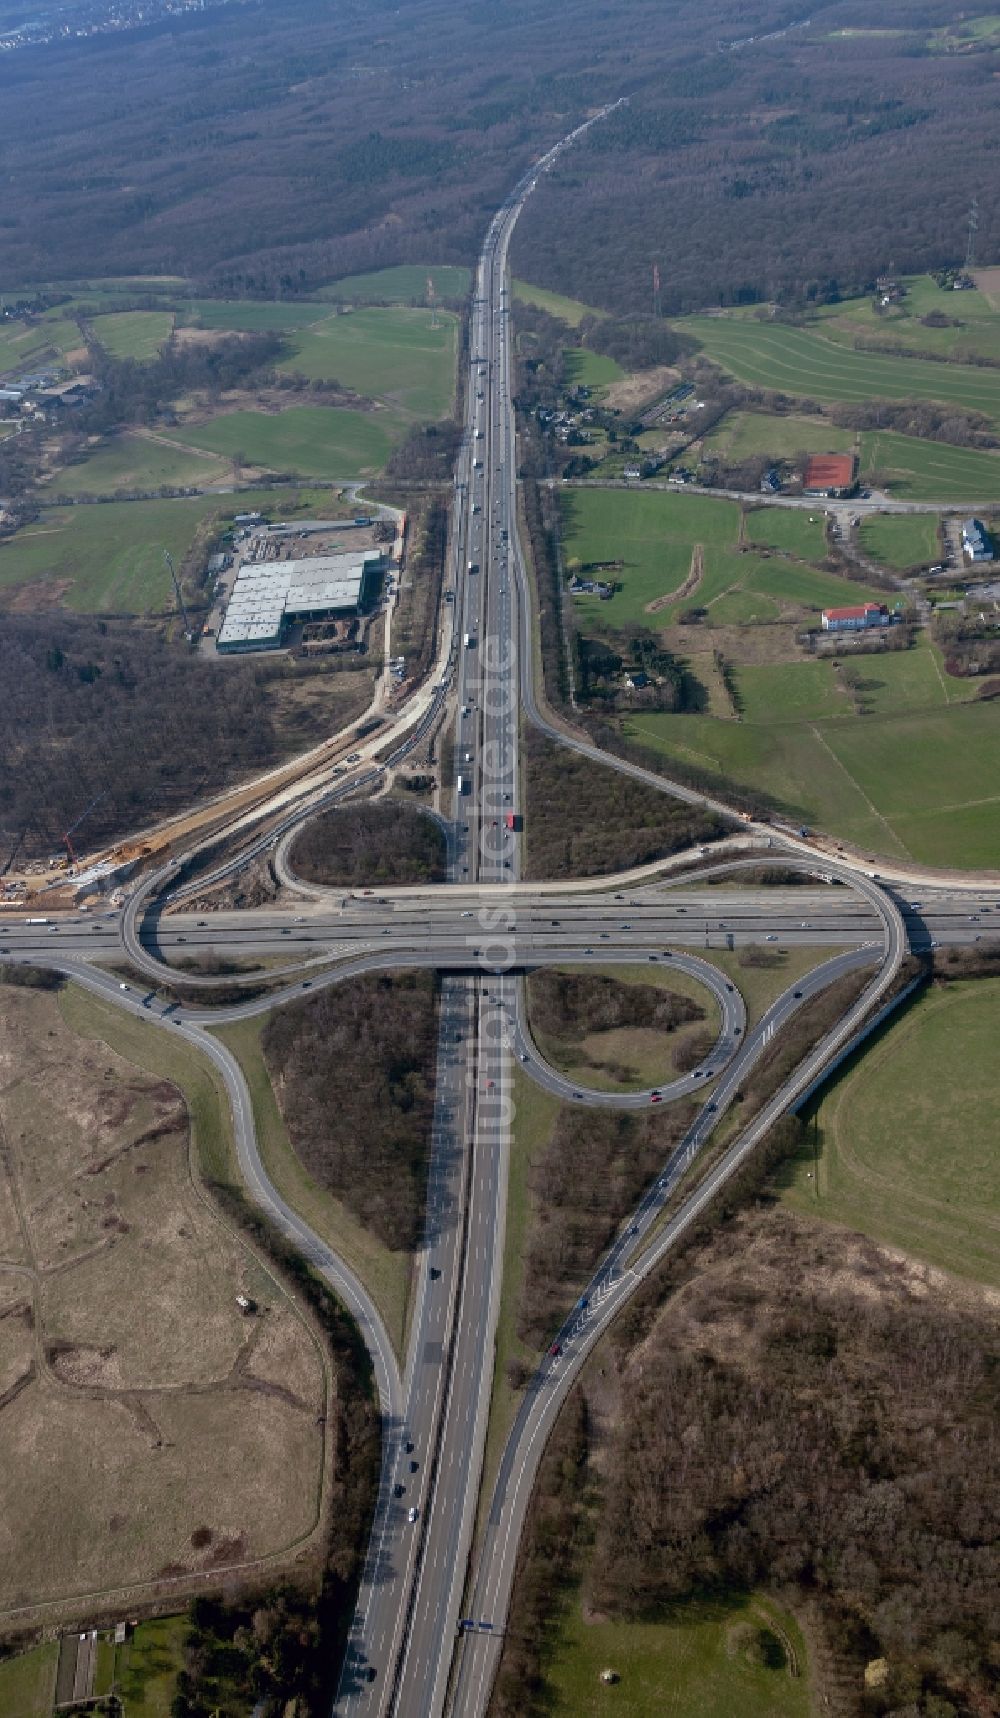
x,y
269,596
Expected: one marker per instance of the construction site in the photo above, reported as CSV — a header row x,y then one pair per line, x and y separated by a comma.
x,y
336,580
304,586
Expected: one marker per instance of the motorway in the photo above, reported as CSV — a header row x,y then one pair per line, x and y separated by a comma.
x,y
407,1655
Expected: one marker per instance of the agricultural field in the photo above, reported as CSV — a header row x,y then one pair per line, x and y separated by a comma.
x,y
590,369
316,441
977,334
739,589
652,532
690,1666
918,470
900,540
904,1150
166,1428
249,316
567,309
741,435
396,355
137,462
138,334
109,559
913,778
798,531
807,363
794,691
406,284
24,347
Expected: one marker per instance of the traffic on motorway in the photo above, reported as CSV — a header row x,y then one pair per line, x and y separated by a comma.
x,y
425,1636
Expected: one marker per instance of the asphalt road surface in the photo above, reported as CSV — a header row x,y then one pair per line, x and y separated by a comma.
x,y
404,1637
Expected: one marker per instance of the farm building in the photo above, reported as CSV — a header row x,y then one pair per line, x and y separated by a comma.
x,y
976,541
270,596
829,474
855,619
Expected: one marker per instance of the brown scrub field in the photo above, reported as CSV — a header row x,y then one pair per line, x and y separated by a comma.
x,y
150,1431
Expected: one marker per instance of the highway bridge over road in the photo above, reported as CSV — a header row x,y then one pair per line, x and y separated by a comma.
x,y
483,929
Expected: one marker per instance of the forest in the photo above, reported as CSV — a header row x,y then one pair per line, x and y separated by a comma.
x,y
353,1070
589,1175
385,842
571,1004
108,710
789,1408
587,820
260,152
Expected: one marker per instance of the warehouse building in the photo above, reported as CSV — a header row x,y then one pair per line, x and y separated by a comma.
x,y
855,619
269,597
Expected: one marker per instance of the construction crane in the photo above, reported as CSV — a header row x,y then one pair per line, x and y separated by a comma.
x,y
188,634
75,826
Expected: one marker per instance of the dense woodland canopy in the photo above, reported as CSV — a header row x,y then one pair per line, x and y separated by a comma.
x,y
383,842
267,147
353,1068
109,708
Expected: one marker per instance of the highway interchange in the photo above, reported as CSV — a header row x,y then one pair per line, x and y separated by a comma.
x,y
410,1653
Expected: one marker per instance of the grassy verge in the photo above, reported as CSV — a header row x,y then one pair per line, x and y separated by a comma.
x,y
902,1145
628,1058
28,1682
760,986
386,1274
534,1114
694,1664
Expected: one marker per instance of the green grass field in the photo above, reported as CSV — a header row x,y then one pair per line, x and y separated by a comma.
x,y
109,559
406,284
23,348
135,462
134,333
250,316
590,369
799,361
906,1138
791,692
685,1667
652,532
914,779
147,1666
396,355
318,441
928,470
740,435
740,589
28,1682
567,309
977,334
901,540
794,529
